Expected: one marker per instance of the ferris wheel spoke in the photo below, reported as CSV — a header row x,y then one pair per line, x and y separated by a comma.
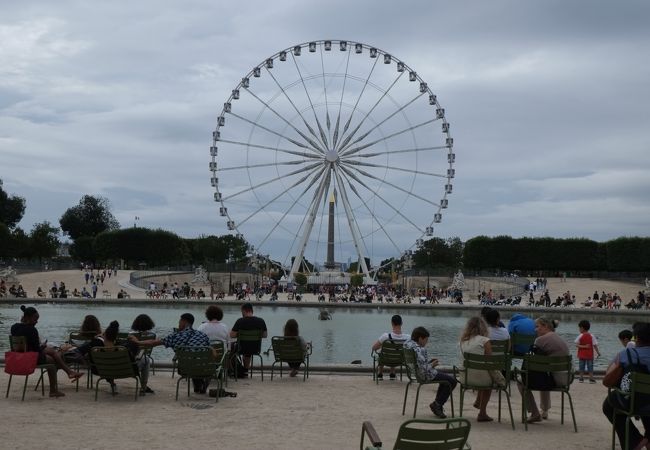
x,y
310,218
327,110
309,141
394,186
320,128
272,180
364,135
406,150
293,141
304,121
389,167
354,150
271,164
338,116
346,141
364,203
277,149
397,211
262,207
365,84
356,234
295,202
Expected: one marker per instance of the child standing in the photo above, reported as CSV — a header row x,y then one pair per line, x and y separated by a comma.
x,y
586,344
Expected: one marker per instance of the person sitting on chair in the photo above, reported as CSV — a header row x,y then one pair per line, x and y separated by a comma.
x,y
291,329
46,355
426,369
248,322
394,334
640,356
186,336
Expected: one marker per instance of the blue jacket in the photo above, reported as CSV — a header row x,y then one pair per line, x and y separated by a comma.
x,y
521,324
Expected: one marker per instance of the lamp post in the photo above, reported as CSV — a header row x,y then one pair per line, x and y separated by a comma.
x,y
230,261
428,270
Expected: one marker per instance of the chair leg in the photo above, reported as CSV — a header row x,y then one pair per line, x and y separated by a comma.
x,y
524,409
261,366
137,391
451,401
512,420
417,396
462,399
9,386
272,369
406,393
573,416
97,387
177,385
24,388
562,410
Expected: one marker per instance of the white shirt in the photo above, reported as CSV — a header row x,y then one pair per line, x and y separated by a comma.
x,y
216,331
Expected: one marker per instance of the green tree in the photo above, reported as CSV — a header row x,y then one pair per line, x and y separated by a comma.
x,y
44,240
135,245
89,218
12,208
83,249
300,279
356,280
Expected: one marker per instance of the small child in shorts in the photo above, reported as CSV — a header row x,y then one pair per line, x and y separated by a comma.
x,y
586,344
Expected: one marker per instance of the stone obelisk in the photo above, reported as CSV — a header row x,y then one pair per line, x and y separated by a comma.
x,y
330,264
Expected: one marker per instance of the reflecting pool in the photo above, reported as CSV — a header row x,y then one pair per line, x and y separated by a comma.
x,y
347,337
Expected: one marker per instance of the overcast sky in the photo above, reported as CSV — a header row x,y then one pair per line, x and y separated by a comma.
x,y
549,103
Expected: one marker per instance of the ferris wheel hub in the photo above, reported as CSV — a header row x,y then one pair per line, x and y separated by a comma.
x,y
332,156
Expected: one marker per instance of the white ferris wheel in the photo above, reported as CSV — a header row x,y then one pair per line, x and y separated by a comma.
x,y
332,150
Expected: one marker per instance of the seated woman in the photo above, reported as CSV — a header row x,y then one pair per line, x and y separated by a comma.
x,y
46,355
90,328
547,343
291,329
143,324
76,293
640,355
40,292
85,293
475,340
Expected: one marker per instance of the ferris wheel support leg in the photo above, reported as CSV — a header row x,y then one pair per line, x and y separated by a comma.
x,y
313,212
356,235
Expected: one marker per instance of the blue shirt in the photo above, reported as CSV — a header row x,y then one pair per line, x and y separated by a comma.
x,y
188,337
522,325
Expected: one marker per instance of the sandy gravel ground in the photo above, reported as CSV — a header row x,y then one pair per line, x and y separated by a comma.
x,y
325,412
580,287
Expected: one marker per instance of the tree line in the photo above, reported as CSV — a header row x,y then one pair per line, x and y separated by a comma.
x,y
96,237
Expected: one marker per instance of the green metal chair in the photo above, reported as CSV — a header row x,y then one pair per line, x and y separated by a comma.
x,y
78,338
391,354
433,434
114,363
410,362
637,407
472,362
500,347
287,349
520,339
198,362
221,356
558,366
146,351
248,338
18,344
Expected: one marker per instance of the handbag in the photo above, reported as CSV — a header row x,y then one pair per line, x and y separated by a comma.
x,y
626,380
20,363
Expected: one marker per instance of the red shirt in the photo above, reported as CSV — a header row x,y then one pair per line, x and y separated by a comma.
x,y
586,339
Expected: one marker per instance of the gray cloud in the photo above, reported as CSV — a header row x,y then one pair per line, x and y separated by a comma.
x,y
547,104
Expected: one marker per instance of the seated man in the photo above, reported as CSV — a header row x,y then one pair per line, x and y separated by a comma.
x,y
248,322
186,336
426,370
520,324
394,334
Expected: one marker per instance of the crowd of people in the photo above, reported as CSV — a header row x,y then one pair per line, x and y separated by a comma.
x,y
141,337
477,337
